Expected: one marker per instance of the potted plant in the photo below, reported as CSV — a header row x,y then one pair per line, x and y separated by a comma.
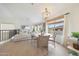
x,y
76,35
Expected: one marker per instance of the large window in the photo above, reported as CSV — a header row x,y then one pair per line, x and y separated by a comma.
x,y
56,26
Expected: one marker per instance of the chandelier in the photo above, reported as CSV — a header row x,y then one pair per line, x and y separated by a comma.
x,y
45,14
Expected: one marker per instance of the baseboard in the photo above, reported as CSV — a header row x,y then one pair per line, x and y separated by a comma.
x,y
5,41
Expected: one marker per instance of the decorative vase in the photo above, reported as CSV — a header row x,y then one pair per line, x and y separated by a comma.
x,y
78,41
76,45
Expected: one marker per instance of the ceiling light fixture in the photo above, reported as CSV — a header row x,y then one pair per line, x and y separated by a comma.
x,y
45,14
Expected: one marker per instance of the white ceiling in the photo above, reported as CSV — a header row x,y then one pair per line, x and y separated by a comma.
x,y
26,13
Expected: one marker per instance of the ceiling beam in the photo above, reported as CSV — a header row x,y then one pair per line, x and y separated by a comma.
x,y
55,22
56,18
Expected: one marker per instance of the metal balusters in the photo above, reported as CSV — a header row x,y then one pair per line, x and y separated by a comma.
x,y
7,34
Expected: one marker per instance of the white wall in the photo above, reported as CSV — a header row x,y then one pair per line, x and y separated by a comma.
x,y
7,26
72,19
